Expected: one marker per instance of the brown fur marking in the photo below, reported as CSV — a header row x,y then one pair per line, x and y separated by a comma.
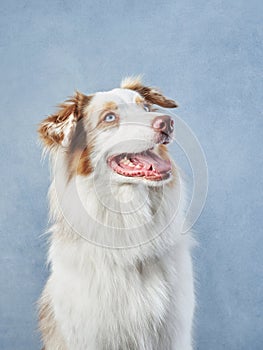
x,y
47,129
110,105
79,152
84,166
139,100
51,335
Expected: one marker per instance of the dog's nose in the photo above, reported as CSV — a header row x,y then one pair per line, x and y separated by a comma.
x,y
164,124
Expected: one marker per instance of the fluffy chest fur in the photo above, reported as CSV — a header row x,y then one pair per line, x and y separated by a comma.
x,y
108,306
105,298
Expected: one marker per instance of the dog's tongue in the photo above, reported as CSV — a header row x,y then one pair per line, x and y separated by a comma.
x,y
151,159
145,164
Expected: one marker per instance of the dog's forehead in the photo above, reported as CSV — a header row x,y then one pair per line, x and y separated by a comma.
x,y
118,95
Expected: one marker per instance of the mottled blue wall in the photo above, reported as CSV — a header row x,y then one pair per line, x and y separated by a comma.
x,y
208,55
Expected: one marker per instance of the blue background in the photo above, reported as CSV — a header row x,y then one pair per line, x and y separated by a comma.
x,y
208,55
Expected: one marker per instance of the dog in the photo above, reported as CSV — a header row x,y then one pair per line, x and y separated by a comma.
x,y
121,271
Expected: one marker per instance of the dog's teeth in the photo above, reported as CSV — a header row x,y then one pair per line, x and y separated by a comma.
x,y
138,166
131,165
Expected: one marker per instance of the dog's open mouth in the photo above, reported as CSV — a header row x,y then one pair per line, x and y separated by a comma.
x,y
146,164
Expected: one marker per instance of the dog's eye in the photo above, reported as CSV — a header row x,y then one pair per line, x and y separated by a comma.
x,y
146,107
110,118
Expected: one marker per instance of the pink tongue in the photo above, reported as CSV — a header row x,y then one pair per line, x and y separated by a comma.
x,y
153,159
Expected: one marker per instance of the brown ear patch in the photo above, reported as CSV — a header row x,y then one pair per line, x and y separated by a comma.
x,y
154,96
53,129
151,94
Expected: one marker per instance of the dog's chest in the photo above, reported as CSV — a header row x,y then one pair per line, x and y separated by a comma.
x,y
110,308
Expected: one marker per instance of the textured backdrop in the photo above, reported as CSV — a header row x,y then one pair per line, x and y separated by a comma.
x,y
206,54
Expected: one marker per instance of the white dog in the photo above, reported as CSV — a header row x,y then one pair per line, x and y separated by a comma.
x,y
121,272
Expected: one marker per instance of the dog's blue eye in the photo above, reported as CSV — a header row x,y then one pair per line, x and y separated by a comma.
x,y
146,107
110,117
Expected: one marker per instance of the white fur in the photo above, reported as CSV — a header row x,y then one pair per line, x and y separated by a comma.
x,y
121,272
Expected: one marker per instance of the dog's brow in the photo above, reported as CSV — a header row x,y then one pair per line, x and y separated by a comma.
x,y
110,105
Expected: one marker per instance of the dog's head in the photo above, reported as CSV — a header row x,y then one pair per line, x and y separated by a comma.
x,y
119,132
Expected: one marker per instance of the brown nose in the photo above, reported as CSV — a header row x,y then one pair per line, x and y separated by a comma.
x,y
164,124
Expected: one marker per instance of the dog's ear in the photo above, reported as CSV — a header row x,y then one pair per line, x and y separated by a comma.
x,y
151,94
59,127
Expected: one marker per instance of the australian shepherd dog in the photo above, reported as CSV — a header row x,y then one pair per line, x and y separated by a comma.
x,y
121,272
